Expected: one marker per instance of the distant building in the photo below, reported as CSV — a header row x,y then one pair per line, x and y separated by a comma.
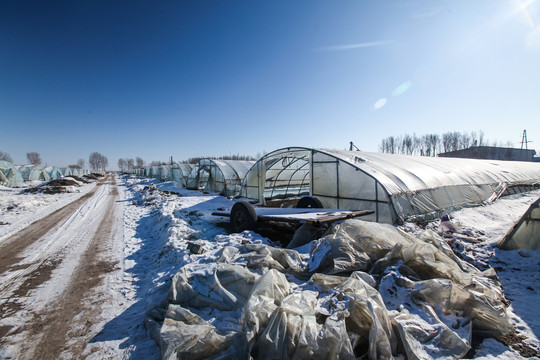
x,y
492,153
536,159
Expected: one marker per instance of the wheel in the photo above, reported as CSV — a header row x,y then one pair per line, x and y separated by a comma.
x,y
309,202
243,217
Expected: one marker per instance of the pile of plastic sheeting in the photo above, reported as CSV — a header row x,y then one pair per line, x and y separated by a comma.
x,y
365,289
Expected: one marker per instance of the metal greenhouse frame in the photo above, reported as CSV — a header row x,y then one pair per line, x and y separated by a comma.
x,y
9,175
221,176
163,173
396,187
180,173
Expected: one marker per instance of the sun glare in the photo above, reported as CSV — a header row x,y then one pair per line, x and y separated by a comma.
x,y
522,8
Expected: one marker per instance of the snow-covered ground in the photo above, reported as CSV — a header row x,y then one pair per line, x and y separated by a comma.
x,y
518,270
158,221
18,209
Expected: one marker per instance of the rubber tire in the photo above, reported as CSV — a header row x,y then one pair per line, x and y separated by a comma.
x,y
243,217
309,202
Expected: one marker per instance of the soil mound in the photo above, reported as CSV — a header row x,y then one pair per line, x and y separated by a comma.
x,y
94,176
79,179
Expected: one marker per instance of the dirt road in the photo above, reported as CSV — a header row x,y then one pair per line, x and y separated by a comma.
x,y
50,275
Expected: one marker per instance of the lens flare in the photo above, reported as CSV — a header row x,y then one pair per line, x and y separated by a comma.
x,y
402,88
380,103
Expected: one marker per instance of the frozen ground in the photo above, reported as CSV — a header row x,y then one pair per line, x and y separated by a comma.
x,y
19,210
156,221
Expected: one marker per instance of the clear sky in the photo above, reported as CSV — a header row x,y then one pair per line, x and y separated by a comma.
x,y
210,78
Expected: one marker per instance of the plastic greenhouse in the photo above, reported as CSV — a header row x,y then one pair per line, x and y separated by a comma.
x,y
75,172
180,173
163,172
396,187
222,176
9,175
54,172
34,172
67,171
154,171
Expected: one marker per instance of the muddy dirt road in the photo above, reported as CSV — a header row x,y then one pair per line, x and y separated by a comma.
x,y
50,274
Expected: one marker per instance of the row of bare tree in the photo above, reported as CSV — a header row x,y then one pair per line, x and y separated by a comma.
x,y
130,164
195,160
432,144
34,158
98,162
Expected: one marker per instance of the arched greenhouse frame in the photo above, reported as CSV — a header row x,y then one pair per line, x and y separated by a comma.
x,y
396,187
9,175
221,176
34,173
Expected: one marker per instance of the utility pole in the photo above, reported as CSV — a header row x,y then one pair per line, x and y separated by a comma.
x,y
524,142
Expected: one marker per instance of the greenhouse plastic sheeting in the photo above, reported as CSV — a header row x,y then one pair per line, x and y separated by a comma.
x,y
180,173
256,300
9,175
396,187
54,172
525,234
221,176
33,173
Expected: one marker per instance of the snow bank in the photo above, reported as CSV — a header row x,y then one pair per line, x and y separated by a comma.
x,y
364,289
19,209
245,297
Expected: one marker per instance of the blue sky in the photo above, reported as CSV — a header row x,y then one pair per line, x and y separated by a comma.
x,y
211,78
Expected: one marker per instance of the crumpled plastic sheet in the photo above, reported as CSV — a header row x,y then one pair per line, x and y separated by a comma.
x,y
356,245
426,337
279,304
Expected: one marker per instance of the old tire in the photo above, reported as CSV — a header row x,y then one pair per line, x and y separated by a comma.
x,y
309,202
243,217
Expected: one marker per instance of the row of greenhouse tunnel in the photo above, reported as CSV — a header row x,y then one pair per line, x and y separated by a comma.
x,y
396,187
13,175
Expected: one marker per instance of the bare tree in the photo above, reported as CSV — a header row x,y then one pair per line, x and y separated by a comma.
x,y
122,164
33,158
389,145
140,162
130,164
5,156
98,161
432,144
464,141
104,162
81,163
407,144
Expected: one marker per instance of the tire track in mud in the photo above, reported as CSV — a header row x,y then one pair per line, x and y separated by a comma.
x,y
16,244
50,326
74,310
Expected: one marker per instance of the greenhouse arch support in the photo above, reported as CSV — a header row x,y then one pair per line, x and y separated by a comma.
x,y
396,187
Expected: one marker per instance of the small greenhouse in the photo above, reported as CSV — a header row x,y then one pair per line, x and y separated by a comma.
x,y
154,172
180,173
75,172
34,173
396,187
163,173
222,176
9,175
54,172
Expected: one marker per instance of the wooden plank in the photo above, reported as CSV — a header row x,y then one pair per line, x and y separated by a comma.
x,y
317,219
